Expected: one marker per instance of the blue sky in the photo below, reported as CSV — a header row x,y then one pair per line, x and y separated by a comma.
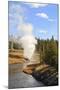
x,y
39,19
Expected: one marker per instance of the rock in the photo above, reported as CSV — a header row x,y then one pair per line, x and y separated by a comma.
x,y
48,76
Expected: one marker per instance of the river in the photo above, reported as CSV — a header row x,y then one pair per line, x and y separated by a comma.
x,y
19,79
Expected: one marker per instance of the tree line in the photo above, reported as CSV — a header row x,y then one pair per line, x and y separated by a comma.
x,y
48,50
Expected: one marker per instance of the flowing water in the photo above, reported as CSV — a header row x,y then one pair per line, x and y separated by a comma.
x,y
19,79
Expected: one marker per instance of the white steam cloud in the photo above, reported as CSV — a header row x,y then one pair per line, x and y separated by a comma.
x,y
26,28
27,41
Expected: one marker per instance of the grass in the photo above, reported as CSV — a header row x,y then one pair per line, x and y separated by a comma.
x,y
16,57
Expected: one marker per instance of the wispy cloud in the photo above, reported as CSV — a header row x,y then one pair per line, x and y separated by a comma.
x,y
15,10
36,5
45,16
16,14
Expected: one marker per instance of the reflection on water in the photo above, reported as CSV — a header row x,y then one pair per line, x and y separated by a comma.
x,y
18,79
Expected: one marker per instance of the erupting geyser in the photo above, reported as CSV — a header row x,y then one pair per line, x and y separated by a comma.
x,y
27,41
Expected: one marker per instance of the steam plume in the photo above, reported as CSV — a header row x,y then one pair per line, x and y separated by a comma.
x,y
28,43
27,39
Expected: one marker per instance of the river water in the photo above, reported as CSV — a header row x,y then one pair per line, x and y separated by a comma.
x,y
19,79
